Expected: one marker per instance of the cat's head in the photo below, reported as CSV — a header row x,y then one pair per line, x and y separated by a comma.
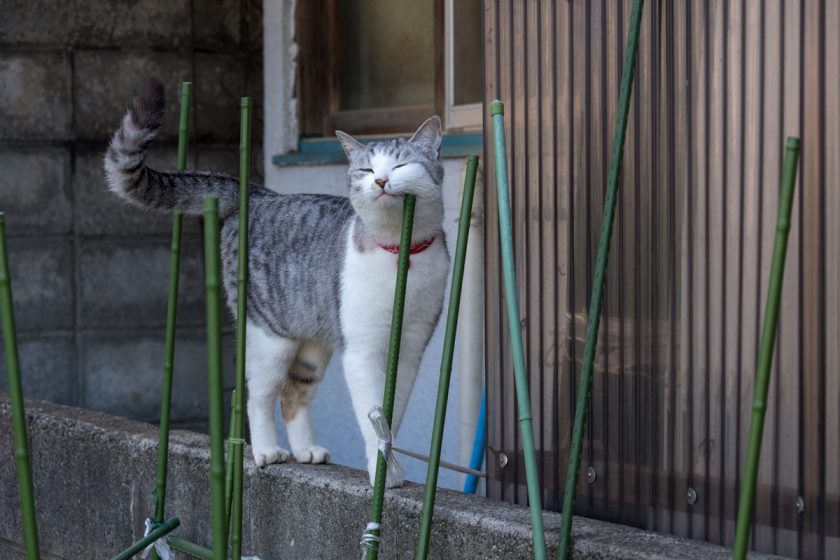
x,y
381,173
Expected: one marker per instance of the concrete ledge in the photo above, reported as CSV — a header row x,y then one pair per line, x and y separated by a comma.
x,y
94,477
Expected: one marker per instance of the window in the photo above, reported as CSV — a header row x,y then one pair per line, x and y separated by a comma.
x,y
383,66
464,64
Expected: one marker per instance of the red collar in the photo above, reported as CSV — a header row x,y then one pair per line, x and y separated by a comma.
x,y
418,248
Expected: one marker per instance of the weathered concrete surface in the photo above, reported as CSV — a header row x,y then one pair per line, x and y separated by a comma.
x,y
94,476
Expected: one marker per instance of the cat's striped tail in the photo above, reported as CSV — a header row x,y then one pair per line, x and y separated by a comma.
x,y
130,178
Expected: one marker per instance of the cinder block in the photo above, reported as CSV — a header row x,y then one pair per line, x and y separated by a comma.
x,y
219,158
123,374
217,24
45,22
35,96
47,368
258,163
224,158
102,24
254,87
219,85
253,39
42,283
34,190
99,211
148,23
106,82
102,99
124,283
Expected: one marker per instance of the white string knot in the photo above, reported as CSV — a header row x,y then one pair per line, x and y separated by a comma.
x,y
368,538
160,545
383,433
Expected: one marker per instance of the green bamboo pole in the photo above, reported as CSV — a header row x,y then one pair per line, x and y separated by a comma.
x,y
237,443
446,360
192,549
214,364
765,351
497,111
596,303
171,312
21,439
164,528
372,551
229,463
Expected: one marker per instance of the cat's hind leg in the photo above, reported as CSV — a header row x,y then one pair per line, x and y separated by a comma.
x,y
297,391
267,361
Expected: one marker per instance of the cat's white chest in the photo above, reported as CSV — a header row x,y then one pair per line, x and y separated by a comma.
x,y
368,286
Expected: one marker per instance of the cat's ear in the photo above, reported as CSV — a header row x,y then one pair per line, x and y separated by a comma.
x,y
428,136
351,146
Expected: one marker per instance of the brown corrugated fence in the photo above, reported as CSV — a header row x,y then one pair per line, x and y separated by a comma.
x,y
719,85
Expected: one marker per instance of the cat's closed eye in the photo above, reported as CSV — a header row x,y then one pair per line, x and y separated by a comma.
x,y
366,170
400,165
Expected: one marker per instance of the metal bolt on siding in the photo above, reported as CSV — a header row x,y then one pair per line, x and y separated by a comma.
x,y
591,475
800,505
691,496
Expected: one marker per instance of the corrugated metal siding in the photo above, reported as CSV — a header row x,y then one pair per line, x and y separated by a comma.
x,y
719,85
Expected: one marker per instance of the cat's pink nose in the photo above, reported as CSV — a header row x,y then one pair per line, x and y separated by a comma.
x,y
381,182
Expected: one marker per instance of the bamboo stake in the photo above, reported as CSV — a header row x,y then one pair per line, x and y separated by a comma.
x,y
433,467
171,312
596,303
237,443
21,438
497,111
229,463
372,551
192,549
163,529
212,282
746,504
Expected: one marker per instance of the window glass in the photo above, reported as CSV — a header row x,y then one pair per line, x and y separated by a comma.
x,y
468,60
387,53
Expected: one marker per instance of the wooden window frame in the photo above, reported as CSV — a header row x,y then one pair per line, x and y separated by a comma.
x,y
318,79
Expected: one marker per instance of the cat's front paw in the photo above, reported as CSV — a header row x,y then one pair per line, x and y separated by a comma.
x,y
266,455
314,454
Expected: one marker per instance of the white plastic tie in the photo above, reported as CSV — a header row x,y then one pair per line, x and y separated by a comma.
x,y
383,433
160,545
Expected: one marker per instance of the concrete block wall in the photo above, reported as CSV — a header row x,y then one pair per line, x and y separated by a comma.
x,y
89,272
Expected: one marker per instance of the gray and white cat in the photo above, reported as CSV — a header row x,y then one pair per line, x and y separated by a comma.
x,y
322,272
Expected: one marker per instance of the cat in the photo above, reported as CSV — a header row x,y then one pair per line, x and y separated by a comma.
x,y
322,272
